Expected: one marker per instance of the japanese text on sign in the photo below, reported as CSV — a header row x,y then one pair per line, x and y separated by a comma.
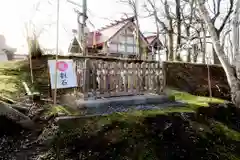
x,y
66,76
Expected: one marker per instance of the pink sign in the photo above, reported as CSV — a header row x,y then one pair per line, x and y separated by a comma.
x,y
62,66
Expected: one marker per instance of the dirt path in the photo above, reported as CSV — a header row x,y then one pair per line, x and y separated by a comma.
x,y
16,143
210,133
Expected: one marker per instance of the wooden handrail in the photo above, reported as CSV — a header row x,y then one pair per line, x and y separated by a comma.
x,y
104,58
101,76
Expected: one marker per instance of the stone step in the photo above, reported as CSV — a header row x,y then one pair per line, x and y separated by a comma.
x,y
64,120
125,101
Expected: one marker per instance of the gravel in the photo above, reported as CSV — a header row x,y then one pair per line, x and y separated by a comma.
x,y
114,109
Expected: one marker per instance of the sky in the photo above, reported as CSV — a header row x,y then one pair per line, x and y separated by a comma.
x,y
16,14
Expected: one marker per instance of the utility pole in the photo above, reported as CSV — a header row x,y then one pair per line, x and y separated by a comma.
x,y
57,50
82,24
84,19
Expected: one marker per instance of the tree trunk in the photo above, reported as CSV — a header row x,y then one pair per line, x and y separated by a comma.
x,y
170,31
189,55
215,56
18,117
139,43
170,46
231,50
230,73
165,43
178,16
188,26
204,45
195,53
188,50
235,29
236,38
201,45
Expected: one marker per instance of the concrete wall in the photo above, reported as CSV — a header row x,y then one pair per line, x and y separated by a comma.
x,y
5,50
193,78
3,56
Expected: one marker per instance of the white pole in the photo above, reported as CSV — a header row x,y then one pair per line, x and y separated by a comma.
x,y
84,19
57,39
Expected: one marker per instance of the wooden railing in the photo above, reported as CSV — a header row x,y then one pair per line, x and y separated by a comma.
x,y
108,77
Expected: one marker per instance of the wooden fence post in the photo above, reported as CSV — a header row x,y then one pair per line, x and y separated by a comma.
x,y
87,68
164,75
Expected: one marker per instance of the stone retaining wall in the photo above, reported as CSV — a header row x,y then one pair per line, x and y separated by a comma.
x,y
189,77
193,78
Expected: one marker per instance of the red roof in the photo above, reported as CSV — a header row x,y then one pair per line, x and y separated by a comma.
x,y
150,39
104,34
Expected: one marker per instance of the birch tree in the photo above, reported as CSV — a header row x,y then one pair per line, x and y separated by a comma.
x,y
235,29
217,15
232,78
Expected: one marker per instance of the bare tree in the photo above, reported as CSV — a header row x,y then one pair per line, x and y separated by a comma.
x,y
217,15
32,33
179,30
187,22
170,31
153,5
232,78
134,6
166,27
185,15
235,29
204,44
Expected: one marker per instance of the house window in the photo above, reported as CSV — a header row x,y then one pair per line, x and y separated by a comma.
x,y
130,49
113,48
122,39
130,40
121,47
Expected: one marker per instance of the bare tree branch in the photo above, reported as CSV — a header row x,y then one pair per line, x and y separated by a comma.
x,y
227,16
216,10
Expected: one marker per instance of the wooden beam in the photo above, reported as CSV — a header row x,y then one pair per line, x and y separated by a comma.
x,y
104,58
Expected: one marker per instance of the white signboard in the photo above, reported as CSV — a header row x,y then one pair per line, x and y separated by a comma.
x,y
66,75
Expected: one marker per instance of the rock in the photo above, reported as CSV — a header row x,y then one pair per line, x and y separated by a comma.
x,y
193,78
20,108
47,135
29,124
62,114
70,100
15,115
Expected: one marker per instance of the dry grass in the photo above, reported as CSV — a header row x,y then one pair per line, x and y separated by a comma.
x,y
12,74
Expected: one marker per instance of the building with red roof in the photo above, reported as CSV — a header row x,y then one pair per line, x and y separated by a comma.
x,y
117,39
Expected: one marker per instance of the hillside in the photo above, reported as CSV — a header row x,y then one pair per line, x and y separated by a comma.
x,y
12,74
196,131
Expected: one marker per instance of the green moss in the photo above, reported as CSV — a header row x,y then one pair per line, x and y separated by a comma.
x,y
130,130
220,128
192,99
54,110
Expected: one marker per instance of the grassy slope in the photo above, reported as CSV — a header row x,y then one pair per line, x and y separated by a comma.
x,y
141,134
193,103
191,99
12,74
